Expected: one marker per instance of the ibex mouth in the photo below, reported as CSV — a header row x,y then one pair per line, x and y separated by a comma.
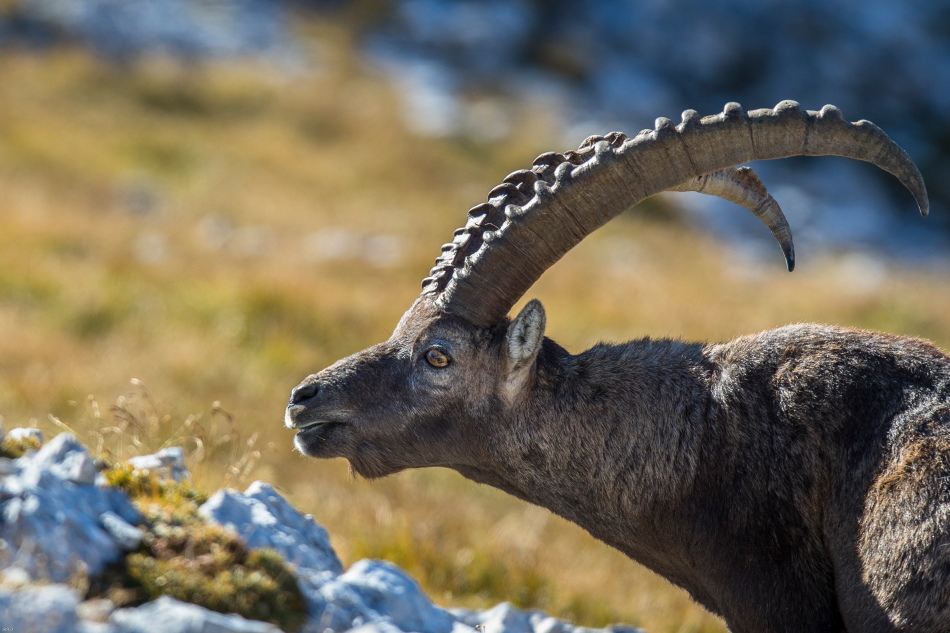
x,y
300,419
319,428
313,425
320,438
307,425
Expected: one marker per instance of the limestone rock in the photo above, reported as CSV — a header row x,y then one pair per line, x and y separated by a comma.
x,y
263,518
39,609
20,433
167,615
378,591
51,517
126,535
168,462
54,522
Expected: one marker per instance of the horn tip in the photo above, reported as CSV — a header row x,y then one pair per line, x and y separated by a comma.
x,y
918,189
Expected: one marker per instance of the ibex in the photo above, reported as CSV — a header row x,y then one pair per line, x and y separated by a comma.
x,y
792,480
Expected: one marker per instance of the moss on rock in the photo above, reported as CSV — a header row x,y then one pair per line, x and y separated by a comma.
x,y
12,448
185,557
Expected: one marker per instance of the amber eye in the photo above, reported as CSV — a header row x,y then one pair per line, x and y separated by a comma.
x,y
437,358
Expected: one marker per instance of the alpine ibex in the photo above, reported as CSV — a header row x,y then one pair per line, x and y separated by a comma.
x,y
792,480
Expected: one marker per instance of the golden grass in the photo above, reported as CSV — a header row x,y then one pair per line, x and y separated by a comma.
x,y
113,182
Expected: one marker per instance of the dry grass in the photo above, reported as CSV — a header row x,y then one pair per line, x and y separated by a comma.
x,y
157,224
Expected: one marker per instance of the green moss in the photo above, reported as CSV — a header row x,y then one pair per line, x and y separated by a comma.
x,y
184,557
210,566
141,485
11,449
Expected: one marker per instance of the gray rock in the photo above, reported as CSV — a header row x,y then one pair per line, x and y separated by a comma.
x,y
63,456
391,595
19,434
39,609
167,615
370,592
168,463
51,525
541,623
376,627
126,535
80,469
8,466
263,518
506,618
96,610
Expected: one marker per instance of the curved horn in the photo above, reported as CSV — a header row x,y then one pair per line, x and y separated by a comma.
x,y
742,186
535,216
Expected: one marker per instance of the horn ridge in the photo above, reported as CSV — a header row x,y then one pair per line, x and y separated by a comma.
x,y
537,215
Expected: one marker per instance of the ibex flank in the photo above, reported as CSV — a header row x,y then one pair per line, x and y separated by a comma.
x,y
792,480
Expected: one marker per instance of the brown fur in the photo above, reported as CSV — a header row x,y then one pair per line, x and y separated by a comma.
x,y
793,480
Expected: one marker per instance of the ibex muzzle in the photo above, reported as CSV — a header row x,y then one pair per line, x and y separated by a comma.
x,y
793,480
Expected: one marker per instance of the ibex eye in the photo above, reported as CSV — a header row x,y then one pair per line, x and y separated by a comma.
x,y
437,358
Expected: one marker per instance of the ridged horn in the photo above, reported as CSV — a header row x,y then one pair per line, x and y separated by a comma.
x,y
742,186
535,216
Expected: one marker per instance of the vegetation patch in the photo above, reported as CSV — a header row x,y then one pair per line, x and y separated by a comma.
x,y
14,448
189,559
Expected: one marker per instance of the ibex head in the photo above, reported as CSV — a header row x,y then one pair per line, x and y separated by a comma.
x,y
414,400
456,368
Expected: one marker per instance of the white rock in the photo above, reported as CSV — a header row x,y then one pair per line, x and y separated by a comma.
x,y
20,434
8,466
14,577
126,535
541,623
389,590
77,467
263,518
50,526
376,627
53,524
505,618
66,458
167,615
168,462
39,609
95,610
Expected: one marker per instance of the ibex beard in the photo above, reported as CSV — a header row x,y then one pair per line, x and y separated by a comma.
x,y
793,480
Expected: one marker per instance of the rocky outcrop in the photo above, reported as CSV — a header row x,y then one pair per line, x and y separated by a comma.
x,y
61,519
55,521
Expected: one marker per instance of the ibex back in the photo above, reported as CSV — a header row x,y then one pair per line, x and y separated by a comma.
x,y
793,480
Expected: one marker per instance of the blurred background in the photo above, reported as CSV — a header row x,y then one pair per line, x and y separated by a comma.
x,y
202,202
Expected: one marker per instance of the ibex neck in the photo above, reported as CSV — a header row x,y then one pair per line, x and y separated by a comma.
x,y
608,439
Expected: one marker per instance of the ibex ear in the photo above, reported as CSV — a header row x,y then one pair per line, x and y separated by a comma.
x,y
525,335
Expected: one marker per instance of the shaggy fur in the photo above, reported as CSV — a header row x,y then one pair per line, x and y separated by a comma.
x,y
796,480
793,480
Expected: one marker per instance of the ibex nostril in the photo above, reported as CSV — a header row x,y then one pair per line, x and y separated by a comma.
x,y
303,392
